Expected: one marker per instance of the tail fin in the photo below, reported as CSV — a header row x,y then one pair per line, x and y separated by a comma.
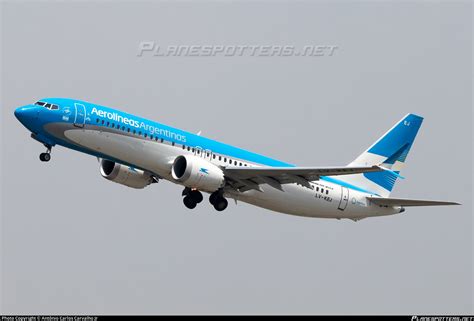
x,y
390,151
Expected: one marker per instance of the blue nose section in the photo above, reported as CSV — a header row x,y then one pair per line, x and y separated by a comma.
x,y
26,113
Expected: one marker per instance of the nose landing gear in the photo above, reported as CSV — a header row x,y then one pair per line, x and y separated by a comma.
x,y
45,157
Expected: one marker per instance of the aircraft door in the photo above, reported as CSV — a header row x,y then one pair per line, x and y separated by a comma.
x,y
207,154
80,117
344,198
198,151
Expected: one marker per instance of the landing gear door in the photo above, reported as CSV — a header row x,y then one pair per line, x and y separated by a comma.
x,y
80,117
344,198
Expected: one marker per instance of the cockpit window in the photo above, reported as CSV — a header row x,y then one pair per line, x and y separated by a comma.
x,y
47,105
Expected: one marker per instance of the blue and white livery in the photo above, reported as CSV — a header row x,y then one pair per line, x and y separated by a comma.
x,y
137,152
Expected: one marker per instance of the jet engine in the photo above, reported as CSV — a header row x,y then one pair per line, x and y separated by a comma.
x,y
195,172
124,175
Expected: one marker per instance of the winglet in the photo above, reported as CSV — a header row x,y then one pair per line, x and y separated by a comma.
x,y
391,172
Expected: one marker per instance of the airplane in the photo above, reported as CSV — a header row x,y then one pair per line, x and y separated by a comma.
x,y
138,152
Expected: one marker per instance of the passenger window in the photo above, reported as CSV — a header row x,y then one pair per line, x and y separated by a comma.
x,y
108,123
145,135
327,192
214,156
128,130
97,120
172,143
162,140
113,125
139,133
134,131
317,189
240,164
151,137
102,121
220,158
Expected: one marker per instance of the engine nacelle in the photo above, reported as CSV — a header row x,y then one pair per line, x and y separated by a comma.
x,y
124,175
195,172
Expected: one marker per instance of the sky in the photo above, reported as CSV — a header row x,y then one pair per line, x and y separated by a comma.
x,y
73,242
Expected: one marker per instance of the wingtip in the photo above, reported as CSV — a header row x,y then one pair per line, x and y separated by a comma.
x,y
382,168
452,203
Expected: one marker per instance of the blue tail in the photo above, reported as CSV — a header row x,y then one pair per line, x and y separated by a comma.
x,y
390,151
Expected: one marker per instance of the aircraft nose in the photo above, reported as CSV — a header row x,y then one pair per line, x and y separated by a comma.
x,y
26,113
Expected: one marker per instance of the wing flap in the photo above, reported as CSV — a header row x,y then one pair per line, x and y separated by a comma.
x,y
306,172
277,176
407,202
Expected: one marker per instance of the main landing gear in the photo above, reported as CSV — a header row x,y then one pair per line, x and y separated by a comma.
x,y
193,197
45,157
217,199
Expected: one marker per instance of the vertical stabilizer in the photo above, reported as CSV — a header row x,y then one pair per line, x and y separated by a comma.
x,y
389,151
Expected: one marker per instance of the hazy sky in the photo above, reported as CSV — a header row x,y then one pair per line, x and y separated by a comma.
x,y
73,242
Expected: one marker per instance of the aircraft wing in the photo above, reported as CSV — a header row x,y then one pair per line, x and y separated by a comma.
x,y
246,178
407,202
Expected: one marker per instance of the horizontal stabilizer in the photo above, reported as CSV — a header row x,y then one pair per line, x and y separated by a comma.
x,y
406,202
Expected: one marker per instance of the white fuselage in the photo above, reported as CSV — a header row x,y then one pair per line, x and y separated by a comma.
x,y
326,199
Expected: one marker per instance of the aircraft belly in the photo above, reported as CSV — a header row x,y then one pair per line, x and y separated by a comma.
x,y
148,155
301,201
295,200
157,158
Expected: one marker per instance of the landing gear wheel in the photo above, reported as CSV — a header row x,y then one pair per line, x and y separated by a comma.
x,y
196,196
213,197
45,157
220,204
189,202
